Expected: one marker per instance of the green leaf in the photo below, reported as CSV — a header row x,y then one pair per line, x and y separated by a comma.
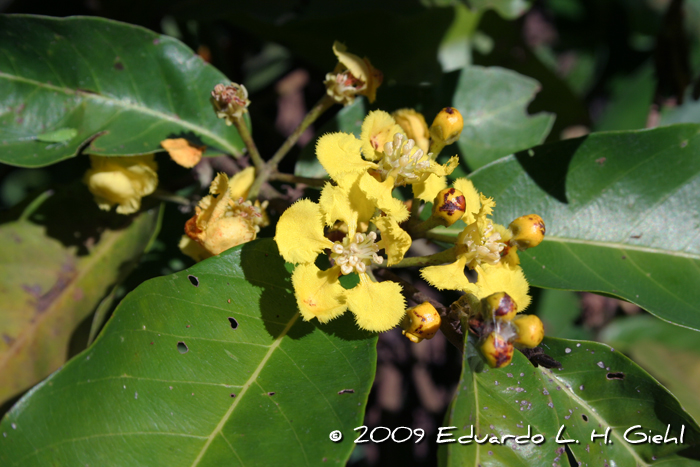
x,y
596,388
55,267
210,366
559,310
669,353
122,88
508,9
621,215
493,103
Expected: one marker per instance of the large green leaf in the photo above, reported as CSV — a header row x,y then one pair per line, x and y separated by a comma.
x,y
112,88
210,366
596,388
509,9
621,215
669,353
493,102
55,267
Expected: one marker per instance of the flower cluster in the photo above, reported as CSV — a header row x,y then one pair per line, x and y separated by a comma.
x,y
501,329
360,213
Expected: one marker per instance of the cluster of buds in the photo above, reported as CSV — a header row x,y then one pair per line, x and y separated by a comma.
x,y
501,329
230,102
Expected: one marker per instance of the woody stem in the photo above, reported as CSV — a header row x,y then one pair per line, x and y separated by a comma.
x,y
239,123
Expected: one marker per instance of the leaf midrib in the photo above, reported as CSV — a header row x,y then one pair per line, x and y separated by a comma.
x,y
126,105
248,384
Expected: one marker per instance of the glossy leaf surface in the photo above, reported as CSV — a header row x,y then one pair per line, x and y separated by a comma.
x,y
210,366
113,88
597,388
493,103
621,215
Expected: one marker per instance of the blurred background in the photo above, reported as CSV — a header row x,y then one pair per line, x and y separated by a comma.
x,y
602,65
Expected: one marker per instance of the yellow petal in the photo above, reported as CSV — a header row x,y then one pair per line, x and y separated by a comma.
x,y
498,278
428,189
212,209
340,154
356,65
183,152
380,194
319,293
121,180
413,123
378,306
471,199
395,240
446,169
347,205
241,182
449,276
193,249
378,128
299,234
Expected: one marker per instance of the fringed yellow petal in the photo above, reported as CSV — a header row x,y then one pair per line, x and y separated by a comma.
x,y
299,234
427,190
378,128
471,199
340,154
212,209
319,293
395,240
497,278
444,169
448,276
378,306
241,182
348,205
380,194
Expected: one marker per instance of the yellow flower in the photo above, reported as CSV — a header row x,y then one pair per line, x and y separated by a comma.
x,y
483,247
353,75
399,158
223,219
300,239
122,181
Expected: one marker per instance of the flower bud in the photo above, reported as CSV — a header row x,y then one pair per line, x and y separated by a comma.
x,y
446,128
496,350
230,102
528,231
352,76
449,206
413,123
121,180
498,306
530,331
421,322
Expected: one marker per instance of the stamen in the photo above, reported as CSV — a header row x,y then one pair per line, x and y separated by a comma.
x,y
354,255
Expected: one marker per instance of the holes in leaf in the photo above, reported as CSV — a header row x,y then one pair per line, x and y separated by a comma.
x,y
194,280
234,323
584,417
182,347
619,376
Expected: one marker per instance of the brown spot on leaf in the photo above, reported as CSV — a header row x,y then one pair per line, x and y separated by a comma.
x,y
346,391
119,66
601,161
618,375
